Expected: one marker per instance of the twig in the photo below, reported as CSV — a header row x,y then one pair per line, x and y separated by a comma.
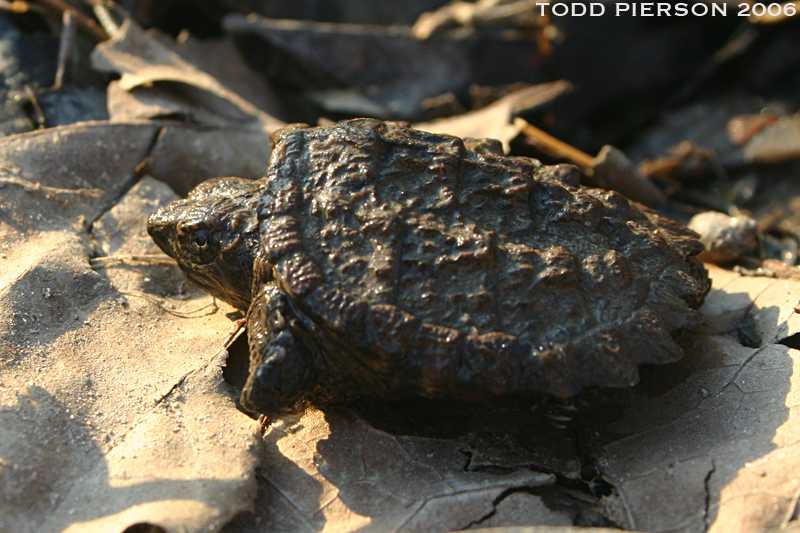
x,y
611,169
38,187
66,47
20,6
188,314
558,147
108,260
104,16
85,23
238,325
36,109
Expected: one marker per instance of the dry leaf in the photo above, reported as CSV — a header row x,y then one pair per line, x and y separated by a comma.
x,y
716,448
174,86
337,473
186,155
513,13
388,73
222,59
113,411
496,121
775,142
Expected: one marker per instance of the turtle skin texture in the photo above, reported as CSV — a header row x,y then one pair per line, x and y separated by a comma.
x,y
376,261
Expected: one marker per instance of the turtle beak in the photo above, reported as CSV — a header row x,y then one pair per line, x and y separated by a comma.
x,y
162,230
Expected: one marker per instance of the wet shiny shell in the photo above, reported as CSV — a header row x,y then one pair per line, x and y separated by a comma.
x,y
430,269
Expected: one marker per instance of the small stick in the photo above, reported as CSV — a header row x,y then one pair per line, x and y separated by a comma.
x,y
558,147
109,260
38,187
20,6
611,169
104,16
83,21
65,46
194,313
36,109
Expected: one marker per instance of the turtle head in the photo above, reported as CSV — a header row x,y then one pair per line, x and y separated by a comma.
x,y
213,235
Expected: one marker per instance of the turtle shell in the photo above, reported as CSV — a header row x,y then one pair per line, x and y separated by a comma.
x,y
419,266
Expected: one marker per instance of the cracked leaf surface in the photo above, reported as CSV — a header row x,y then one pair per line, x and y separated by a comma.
x,y
715,451
113,412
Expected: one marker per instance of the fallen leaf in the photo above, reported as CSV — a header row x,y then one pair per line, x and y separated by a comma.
x,y
715,448
776,142
388,73
703,124
496,121
180,87
113,410
185,155
337,473
222,59
512,13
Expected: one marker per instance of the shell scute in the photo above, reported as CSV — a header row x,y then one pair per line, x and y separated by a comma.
x,y
297,274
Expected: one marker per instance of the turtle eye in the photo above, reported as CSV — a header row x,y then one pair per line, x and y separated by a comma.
x,y
201,239
201,245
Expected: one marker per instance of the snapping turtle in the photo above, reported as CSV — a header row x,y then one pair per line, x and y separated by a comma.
x,y
378,261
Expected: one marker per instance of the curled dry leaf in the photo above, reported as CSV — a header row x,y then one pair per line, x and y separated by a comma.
x,y
496,121
174,85
113,411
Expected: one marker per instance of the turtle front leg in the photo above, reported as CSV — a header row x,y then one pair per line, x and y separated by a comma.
x,y
281,368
